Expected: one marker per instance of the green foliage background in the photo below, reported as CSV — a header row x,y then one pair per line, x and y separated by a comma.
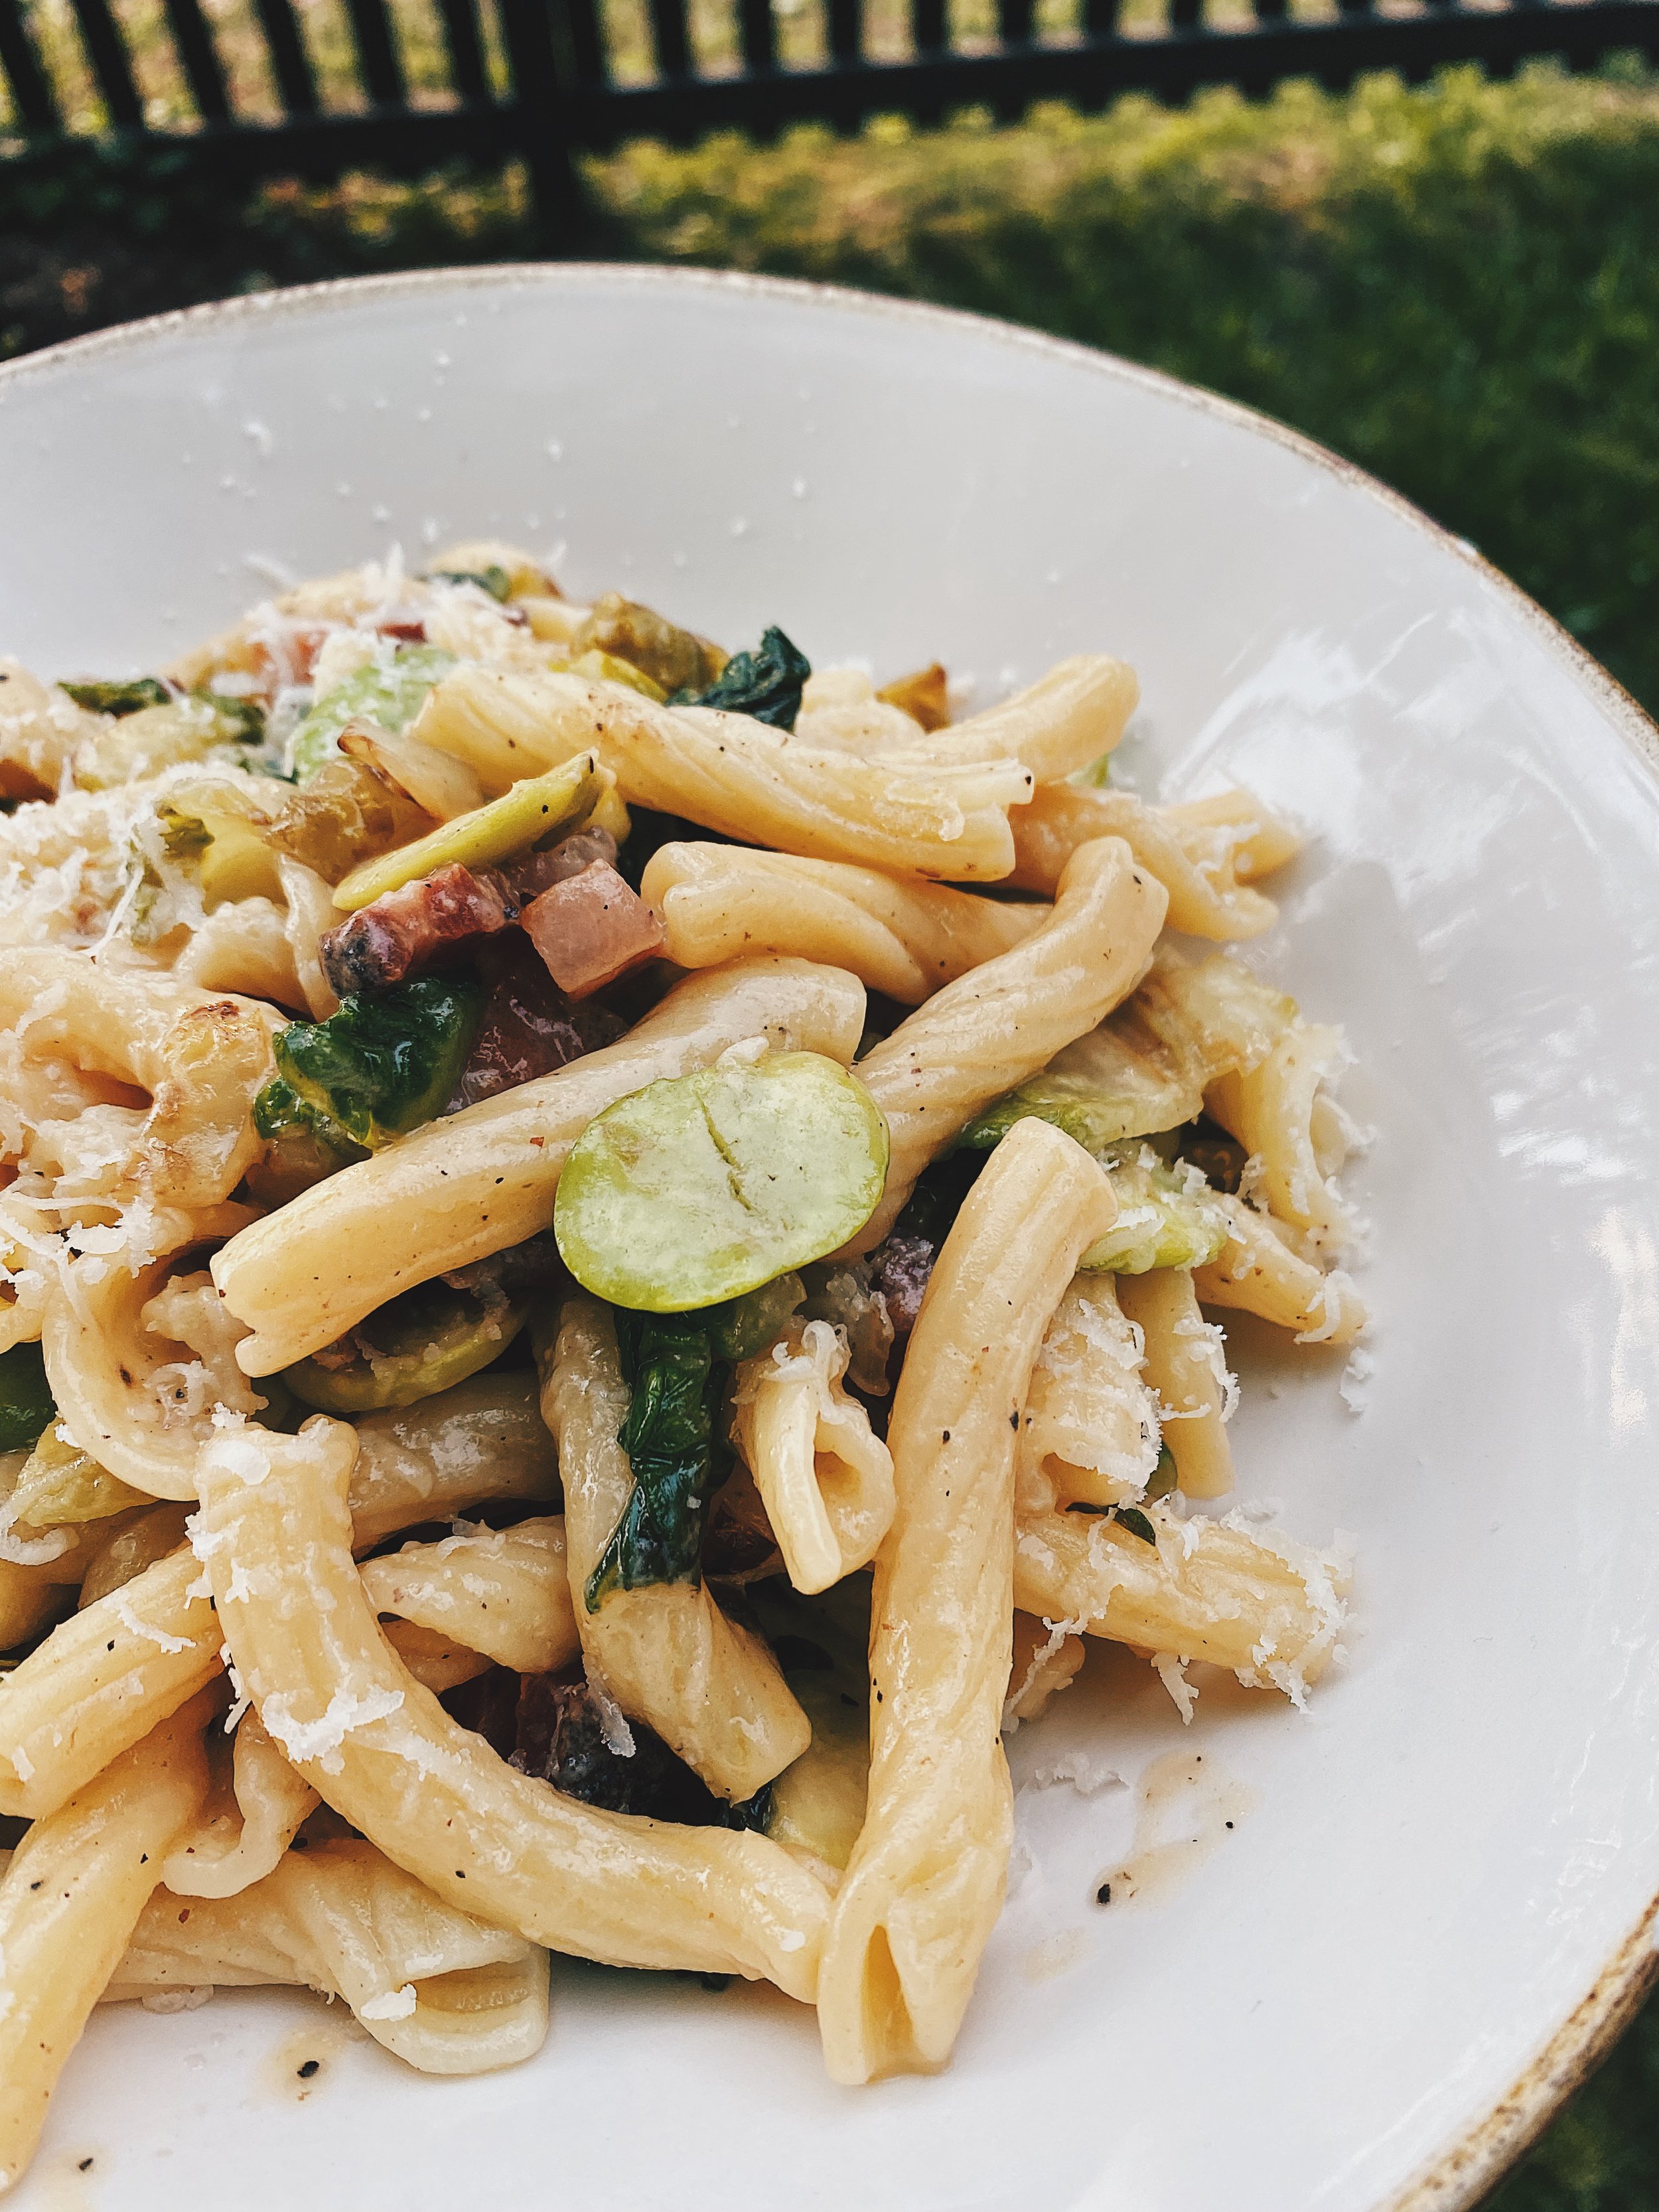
x,y
1456,286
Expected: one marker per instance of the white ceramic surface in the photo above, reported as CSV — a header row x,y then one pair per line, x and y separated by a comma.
x,y
1425,1878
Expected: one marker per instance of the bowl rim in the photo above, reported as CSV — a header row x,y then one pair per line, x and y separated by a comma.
x,y
1472,2161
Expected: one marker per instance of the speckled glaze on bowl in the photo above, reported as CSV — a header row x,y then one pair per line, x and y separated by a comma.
x,y
1436,1896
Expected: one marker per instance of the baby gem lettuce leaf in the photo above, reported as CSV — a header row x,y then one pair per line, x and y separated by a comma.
x,y
381,1065
669,1438
1167,1217
766,683
390,694
701,1187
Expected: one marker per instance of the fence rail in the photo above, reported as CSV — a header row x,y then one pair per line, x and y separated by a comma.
x,y
556,87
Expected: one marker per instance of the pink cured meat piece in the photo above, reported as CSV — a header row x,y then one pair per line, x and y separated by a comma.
x,y
591,928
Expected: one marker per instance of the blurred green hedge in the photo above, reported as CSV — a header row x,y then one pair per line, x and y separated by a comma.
x,y
1458,285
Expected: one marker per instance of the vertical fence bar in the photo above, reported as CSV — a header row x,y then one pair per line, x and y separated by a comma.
x,y
756,37
846,30
669,40
463,41
928,25
106,51
290,64
534,60
1270,11
1186,15
1100,18
379,69
1014,19
31,87
585,41
199,59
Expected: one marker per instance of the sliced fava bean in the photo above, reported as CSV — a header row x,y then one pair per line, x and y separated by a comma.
x,y
426,1342
702,1188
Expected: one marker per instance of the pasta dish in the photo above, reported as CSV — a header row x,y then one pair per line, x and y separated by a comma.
x,y
607,1262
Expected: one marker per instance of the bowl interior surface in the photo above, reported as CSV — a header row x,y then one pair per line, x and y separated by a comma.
x,y
1426,1874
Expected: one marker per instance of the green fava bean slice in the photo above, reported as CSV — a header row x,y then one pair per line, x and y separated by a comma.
x,y
702,1186
431,1339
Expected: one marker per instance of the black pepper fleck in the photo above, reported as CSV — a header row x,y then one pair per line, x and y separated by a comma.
x,y
1103,1894
311,2067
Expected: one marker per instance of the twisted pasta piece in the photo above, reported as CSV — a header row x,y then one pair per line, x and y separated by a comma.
x,y
926,1881
139,1363
905,938
1187,1374
1046,1660
1206,853
735,774
1064,721
101,1681
502,1592
665,1653
985,1033
1256,1271
825,1478
136,1649
478,1181
28,1598
227,1851
309,917
69,1903
40,729
431,1985
436,1799
201,1060
243,946
1219,1590
483,1438
1279,1112
1090,1432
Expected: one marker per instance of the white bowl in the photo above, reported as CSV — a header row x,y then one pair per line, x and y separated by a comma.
x,y
1436,1897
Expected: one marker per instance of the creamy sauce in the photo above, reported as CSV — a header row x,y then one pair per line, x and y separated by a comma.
x,y
1186,1807
318,2046
1054,1954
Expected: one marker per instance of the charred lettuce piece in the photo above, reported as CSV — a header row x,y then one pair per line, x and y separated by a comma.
x,y
673,659
26,1405
565,1735
382,1066
117,695
427,1341
1167,1217
494,579
390,694
669,1365
766,683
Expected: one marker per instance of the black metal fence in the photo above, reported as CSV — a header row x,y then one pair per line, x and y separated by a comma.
x,y
543,78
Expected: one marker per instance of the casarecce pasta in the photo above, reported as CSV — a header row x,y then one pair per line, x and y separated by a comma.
x,y
608,1255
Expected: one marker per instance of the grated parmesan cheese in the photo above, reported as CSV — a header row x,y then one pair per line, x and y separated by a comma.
x,y
318,1742
396,2004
